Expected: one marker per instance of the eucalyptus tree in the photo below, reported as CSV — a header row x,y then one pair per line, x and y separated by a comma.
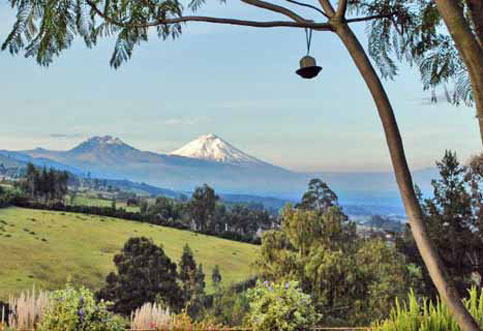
x,y
45,28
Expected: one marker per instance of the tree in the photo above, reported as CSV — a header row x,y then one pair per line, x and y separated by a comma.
x,y
49,185
198,301
144,274
192,283
45,30
187,273
319,197
216,276
350,280
454,219
202,207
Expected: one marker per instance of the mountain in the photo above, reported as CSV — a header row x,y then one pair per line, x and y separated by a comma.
x,y
208,159
212,148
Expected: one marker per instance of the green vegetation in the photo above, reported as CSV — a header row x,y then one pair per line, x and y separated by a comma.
x,y
424,315
45,248
77,309
282,307
144,274
351,281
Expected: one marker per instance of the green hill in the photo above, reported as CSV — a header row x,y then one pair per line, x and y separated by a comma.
x,y
45,248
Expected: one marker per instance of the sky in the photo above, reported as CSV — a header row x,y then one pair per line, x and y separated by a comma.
x,y
236,82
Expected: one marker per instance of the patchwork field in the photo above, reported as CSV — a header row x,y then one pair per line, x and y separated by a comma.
x,y
45,248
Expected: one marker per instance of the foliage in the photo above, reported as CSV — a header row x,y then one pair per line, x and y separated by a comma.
x,y
350,280
413,31
453,217
9,196
230,306
280,306
144,274
46,185
192,283
424,315
318,197
202,207
77,309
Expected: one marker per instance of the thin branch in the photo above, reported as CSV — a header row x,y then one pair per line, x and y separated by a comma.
x,y
369,18
184,19
275,8
309,6
341,9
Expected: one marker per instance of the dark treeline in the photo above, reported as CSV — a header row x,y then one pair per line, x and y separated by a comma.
x,y
42,185
204,212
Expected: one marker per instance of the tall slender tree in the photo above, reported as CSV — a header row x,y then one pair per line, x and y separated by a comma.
x,y
45,29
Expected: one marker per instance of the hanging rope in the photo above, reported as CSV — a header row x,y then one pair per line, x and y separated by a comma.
x,y
308,38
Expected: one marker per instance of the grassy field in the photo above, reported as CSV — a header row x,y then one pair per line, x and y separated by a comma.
x,y
84,200
45,248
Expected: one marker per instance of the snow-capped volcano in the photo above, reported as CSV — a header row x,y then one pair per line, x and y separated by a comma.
x,y
212,148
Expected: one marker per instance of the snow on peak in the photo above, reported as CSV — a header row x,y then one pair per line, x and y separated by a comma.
x,y
213,148
108,140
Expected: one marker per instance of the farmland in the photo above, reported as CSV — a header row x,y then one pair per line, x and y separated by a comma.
x,y
46,248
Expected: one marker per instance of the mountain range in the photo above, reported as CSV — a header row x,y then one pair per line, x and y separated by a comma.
x,y
210,159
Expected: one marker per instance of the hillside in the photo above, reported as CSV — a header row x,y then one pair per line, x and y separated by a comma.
x,y
45,248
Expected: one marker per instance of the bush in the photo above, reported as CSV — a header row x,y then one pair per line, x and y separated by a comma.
x,y
76,309
281,307
424,315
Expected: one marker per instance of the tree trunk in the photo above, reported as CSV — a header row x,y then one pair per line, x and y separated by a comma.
x,y
428,252
468,45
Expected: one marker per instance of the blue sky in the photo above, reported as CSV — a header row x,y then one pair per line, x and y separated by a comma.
x,y
237,82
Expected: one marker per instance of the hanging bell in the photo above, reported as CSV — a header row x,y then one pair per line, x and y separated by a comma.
x,y
308,68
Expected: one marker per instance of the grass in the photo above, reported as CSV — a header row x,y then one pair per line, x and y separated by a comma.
x,y
46,248
85,200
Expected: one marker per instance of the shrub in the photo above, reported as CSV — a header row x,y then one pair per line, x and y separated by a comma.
x,y
76,309
281,307
424,315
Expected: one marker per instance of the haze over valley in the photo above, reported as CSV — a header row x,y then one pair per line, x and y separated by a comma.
x,y
212,160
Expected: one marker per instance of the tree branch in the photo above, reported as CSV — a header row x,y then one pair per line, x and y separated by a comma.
x,y
206,19
275,8
369,18
341,9
327,7
309,6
